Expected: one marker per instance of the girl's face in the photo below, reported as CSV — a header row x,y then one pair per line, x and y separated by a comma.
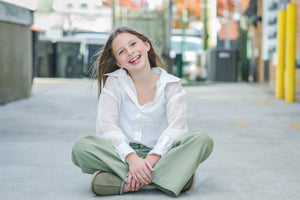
x,y
130,52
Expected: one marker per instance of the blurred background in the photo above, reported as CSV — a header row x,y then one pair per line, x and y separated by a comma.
x,y
199,40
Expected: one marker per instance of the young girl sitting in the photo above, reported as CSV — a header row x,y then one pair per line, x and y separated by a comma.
x,y
142,134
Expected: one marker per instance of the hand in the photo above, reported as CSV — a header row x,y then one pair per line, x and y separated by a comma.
x,y
139,171
132,185
153,159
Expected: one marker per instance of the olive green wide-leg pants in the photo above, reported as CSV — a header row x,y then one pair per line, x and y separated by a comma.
x,y
171,172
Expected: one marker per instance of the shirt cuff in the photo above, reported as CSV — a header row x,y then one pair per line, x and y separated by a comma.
x,y
160,150
123,150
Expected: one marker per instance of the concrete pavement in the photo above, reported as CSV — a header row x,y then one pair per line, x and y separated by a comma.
x,y
256,155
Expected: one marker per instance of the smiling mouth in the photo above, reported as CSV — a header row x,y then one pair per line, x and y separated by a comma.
x,y
134,59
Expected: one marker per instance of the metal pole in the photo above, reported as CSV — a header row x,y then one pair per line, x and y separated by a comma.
x,y
168,36
116,13
279,87
179,58
184,21
205,24
290,52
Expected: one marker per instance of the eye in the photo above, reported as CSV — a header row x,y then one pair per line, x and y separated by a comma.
x,y
133,43
120,52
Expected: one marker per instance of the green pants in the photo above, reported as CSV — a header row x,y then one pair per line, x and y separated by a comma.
x,y
171,172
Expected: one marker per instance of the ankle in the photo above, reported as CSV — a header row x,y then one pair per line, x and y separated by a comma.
x,y
126,188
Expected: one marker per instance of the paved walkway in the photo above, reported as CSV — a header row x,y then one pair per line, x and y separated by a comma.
x,y
256,155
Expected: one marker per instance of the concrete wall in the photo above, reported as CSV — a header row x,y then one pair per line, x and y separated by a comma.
x,y
15,53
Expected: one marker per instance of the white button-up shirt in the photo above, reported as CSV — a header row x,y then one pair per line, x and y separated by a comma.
x,y
157,124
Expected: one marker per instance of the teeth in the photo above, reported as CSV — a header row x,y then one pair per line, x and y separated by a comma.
x,y
135,59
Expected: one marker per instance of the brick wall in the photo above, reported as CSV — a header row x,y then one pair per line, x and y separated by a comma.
x,y
260,67
272,72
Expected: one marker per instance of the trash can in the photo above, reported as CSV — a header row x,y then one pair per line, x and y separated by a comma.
x,y
93,50
222,64
35,47
179,65
69,59
45,59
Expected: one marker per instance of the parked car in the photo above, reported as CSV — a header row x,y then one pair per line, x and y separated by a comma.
x,y
191,57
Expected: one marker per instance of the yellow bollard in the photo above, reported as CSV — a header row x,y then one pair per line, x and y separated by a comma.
x,y
279,90
290,53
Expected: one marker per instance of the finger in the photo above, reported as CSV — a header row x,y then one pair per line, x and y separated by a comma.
x,y
132,187
146,176
129,179
149,165
141,185
137,186
143,176
137,177
146,173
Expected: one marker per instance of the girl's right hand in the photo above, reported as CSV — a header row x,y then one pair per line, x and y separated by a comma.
x,y
139,171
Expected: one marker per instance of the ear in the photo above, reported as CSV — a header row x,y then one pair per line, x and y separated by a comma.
x,y
119,65
148,46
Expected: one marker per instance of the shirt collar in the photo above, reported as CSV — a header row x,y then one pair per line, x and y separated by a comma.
x,y
164,76
129,88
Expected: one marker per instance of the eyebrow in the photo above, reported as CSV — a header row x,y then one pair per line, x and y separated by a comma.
x,y
130,41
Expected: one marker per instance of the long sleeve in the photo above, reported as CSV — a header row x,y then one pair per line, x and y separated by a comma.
x,y
176,116
107,119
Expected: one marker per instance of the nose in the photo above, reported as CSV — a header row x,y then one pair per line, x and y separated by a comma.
x,y
130,51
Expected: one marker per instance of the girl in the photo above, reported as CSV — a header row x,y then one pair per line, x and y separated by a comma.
x,y
142,135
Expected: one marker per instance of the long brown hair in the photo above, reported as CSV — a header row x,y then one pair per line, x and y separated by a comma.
x,y
106,62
